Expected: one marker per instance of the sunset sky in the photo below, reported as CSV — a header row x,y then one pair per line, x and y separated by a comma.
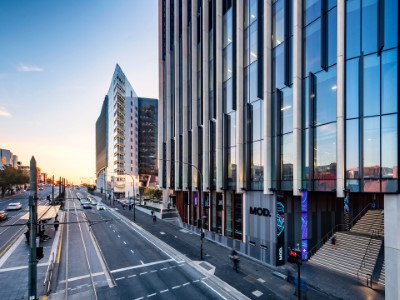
x,y
57,59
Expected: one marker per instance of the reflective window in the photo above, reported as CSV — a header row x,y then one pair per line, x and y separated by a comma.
x,y
312,10
253,11
369,26
353,39
256,168
227,28
352,88
253,82
278,21
232,130
352,149
253,42
287,111
325,152
228,96
331,3
306,103
332,37
232,166
228,214
256,120
371,85
391,23
389,81
312,53
279,66
389,146
371,147
306,160
287,157
325,99
228,63
246,52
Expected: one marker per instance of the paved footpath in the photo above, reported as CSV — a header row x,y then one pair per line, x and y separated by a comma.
x,y
255,280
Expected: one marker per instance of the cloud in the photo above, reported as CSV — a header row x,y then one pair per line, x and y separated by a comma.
x,y
29,68
4,112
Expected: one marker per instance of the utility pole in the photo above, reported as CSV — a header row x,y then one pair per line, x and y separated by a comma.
x,y
32,276
59,188
52,191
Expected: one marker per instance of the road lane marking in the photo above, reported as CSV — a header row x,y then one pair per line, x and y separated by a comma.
x,y
153,271
134,275
151,295
181,265
172,267
141,266
139,298
132,251
175,287
196,280
119,236
162,232
119,278
164,291
143,273
142,262
82,277
20,268
185,283
163,269
124,242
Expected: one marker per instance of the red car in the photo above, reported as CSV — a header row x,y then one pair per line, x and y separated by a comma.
x,y
3,215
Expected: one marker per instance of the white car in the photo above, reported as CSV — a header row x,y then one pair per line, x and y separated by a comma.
x,y
14,206
101,207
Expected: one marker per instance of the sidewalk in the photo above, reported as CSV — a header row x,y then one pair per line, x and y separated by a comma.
x,y
322,283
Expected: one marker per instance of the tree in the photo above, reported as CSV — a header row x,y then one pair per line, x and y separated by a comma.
x,y
9,177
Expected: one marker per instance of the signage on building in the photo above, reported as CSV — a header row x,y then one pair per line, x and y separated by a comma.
x,y
260,211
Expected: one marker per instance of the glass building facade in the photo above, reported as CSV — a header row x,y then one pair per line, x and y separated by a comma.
x,y
283,105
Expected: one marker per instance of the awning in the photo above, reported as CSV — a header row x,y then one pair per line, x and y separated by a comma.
x,y
44,212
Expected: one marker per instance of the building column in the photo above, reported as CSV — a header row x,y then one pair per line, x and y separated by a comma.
x,y
340,104
177,84
392,246
297,95
185,98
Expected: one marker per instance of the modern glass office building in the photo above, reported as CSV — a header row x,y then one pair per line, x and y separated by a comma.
x,y
286,108
125,122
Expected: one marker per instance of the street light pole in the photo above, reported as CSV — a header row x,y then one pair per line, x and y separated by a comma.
x,y
134,197
200,200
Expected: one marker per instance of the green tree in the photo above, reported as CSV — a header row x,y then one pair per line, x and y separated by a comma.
x,y
9,177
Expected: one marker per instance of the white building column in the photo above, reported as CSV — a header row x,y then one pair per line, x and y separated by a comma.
x,y
297,95
185,98
177,84
392,246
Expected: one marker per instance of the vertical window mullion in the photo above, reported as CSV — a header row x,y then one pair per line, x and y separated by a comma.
x,y
381,25
361,120
278,144
260,39
234,50
311,142
249,141
324,36
225,151
287,13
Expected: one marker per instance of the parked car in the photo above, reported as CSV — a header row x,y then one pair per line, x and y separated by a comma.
x,y
101,207
3,215
14,206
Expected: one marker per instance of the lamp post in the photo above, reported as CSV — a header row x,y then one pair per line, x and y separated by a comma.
x,y
134,197
200,200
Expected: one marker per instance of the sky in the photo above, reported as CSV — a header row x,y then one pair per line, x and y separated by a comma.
x,y
57,59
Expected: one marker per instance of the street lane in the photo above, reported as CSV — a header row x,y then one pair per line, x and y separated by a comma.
x,y
142,269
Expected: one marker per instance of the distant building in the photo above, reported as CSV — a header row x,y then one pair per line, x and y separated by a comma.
x,y
8,158
122,135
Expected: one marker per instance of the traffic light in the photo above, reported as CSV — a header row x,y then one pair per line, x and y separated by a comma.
x,y
292,257
39,253
48,197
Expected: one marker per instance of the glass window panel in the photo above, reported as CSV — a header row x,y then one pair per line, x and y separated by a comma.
x,y
325,152
312,51
287,110
287,157
369,26
232,130
256,172
371,85
210,76
228,214
325,100
389,186
312,10
279,66
246,52
353,185
245,13
352,149
256,120
228,96
389,146
332,37
352,88
305,160
238,217
371,147
246,85
253,82
228,63
391,23
232,166
253,11
353,39
278,21
210,45
227,35
389,81
306,103
253,42
331,3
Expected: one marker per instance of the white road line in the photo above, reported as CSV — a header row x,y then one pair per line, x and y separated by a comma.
x,y
163,269
196,280
151,295
172,267
134,275
185,283
82,277
181,265
162,233
143,265
142,262
143,273
124,242
119,236
164,291
132,251
139,298
119,278
153,271
214,290
114,230
175,287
